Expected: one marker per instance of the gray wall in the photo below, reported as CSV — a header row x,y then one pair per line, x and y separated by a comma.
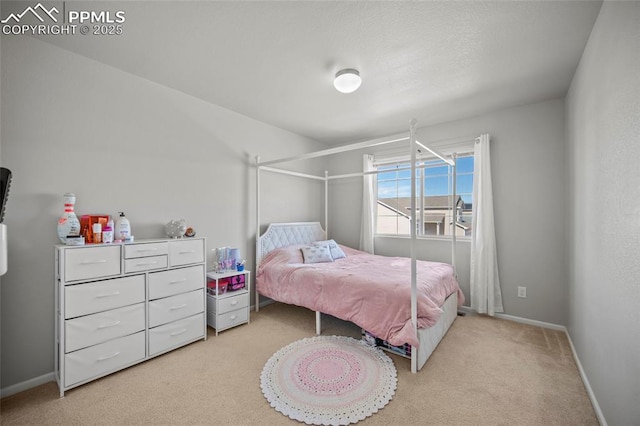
x,y
528,160
119,142
603,150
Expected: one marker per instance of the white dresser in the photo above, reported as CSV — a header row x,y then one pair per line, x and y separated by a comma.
x,y
121,304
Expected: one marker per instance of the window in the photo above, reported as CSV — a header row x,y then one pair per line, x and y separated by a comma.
x,y
433,197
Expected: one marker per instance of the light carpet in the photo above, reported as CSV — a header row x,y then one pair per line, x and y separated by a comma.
x,y
328,380
486,371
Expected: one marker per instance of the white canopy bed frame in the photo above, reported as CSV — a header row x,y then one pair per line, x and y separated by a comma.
x,y
283,234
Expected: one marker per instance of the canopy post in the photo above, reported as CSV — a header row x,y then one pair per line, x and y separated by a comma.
x,y
454,210
414,284
326,204
257,302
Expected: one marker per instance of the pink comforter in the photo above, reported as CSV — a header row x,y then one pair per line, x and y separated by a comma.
x,y
371,291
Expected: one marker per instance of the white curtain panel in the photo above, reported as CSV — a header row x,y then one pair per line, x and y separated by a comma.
x,y
368,206
486,297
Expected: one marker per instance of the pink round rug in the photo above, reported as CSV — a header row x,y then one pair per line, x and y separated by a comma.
x,y
328,380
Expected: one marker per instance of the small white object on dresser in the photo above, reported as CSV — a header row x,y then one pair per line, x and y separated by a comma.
x,y
120,304
229,308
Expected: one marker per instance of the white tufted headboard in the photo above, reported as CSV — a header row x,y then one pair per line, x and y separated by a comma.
x,y
286,234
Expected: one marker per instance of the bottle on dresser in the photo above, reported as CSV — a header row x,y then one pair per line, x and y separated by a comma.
x,y
122,229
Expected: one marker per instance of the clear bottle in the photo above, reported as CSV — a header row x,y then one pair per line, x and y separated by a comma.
x,y
68,224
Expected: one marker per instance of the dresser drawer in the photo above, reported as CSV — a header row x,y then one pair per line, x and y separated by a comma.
x,y
162,311
232,303
91,262
142,264
230,319
104,358
175,334
186,252
83,299
90,330
132,251
168,283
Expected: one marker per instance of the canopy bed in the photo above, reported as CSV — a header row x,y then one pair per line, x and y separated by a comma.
x,y
398,300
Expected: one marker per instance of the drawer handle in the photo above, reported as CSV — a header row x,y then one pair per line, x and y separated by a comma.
x,y
177,281
146,264
235,302
176,333
187,252
173,308
104,358
92,262
108,325
146,250
232,317
115,293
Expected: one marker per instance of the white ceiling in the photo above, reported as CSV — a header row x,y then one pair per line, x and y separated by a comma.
x,y
274,61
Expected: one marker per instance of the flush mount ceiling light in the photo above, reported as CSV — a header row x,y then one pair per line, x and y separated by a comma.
x,y
347,80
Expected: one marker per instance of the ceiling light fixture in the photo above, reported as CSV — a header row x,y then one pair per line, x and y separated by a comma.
x,y
347,80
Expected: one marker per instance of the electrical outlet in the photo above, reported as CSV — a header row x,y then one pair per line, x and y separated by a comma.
x,y
522,292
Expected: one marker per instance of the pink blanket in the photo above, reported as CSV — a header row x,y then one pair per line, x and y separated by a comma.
x,y
371,291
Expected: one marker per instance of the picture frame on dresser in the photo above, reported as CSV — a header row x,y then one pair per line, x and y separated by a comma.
x,y
120,304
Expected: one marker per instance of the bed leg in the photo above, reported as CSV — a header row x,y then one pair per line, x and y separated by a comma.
x,y
318,323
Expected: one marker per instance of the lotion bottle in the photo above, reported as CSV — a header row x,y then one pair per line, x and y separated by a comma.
x,y
123,228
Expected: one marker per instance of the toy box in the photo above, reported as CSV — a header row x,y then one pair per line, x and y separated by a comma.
x,y
237,282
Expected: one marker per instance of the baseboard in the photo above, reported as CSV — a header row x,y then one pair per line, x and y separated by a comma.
x,y
27,384
587,386
533,322
583,374
521,320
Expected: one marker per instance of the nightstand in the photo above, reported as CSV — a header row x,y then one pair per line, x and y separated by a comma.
x,y
231,308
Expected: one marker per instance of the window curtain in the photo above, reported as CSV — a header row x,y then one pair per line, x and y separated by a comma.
x,y
486,297
368,205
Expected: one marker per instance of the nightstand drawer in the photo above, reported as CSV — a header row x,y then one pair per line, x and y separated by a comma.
x,y
162,311
132,251
231,319
97,360
175,334
92,262
186,252
168,283
83,299
142,264
97,328
232,303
